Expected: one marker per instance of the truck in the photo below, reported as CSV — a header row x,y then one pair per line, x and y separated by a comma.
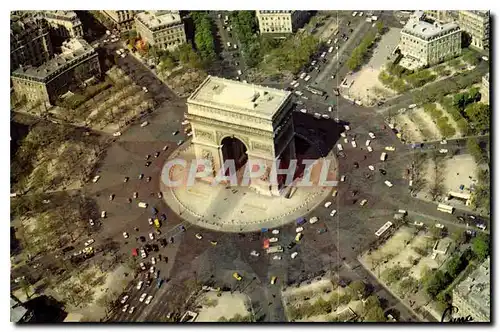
x,y
274,249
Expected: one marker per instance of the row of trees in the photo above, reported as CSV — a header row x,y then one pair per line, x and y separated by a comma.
x,y
358,55
203,36
245,26
445,128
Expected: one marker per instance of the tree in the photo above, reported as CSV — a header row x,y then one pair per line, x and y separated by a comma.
x,y
437,283
481,246
479,114
380,27
408,285
459,237
375,314
358,287
475,150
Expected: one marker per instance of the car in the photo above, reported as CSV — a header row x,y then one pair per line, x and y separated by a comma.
x,y
143,253
152,269
342,178
148,282
148,179
367,143
147,157
89,242
147,164
371,168
148,300
163,242
342,134
159,195
372,135
273,280
363,202
237,276
327,204
461,219
322,230
111,197
291,245
131,310
443,150
179,143
124,299
91,222
273,239
346,140
165,148
330,109
325,116
141,176
213,242
142,239
481,226
334,193
369,148
347,128
276,258
313,220
382,171
299,229
125,307
254,253
96,178
144,124
440,226
125,179
418,223
139,284
174,133
356,164
125,235
390,148
388,183
275,231
143,296
443,142
333,213
151,236
117,134
472,217
293,255
153,260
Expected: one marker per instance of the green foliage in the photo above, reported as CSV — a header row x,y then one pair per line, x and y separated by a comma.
x,y
475,150
395,273
380,27
358,55
187,56
459,237
375,314
408,285
479,115
481,246
358,287
420,78
481,197
372,301
470,57
455,265
437,283
203,37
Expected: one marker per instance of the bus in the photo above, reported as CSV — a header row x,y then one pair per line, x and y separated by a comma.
x,y
383,229
315,90
274,249
445,208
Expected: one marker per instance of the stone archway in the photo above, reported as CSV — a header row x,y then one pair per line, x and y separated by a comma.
x,y
234,149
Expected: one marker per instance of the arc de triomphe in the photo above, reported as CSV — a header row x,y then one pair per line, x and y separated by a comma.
x,y
240,121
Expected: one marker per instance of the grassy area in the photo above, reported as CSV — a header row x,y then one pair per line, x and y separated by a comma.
x,y
445,128
81,96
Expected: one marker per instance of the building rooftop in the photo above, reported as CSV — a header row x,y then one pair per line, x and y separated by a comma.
x,y
476,288
255,100
416,26
483,13
73,50
17,311
67,15
157,19
275,11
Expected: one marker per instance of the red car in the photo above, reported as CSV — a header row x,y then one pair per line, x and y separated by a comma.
x,y
134,252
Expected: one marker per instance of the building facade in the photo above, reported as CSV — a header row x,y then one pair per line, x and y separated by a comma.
x,y
30,43
472,296
64,23
123,19
162,29
485,89
281,21
442,16
476,23
77,62
429,43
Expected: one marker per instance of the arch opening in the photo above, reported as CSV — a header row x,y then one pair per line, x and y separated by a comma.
x,y
234,149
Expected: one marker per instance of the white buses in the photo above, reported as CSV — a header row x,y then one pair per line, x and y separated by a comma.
x,y
445,208
383,229
274,249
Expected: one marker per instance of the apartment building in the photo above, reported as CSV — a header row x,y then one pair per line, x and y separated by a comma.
x,y
424,43
485,89
476,23
442,16
162,29
123,19
30,42
64,23
281,21
77,62
472,296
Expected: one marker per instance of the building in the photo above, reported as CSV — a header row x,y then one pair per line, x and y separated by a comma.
x,y
30,43
18,312
64,23
476,23
472,296
424,43
77,62
123,19
442,16
485,89
281,21
162,29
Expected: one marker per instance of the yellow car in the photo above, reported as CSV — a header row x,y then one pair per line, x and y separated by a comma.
x,y
237,276
273,280
214,243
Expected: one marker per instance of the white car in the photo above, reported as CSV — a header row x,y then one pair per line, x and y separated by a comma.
x,y
139,284
123,55
151,236
132,309
144,89
325,116
111,197
369,148
296,85
443,151
96,178
313,220
273,239
91,222
334,193
124,299
303,111
143,253
327,204
388,184
118,52
339,147
142,266
294,255
116,134
302,75
307,78
143,296
89,242
439,226
342,178
317,115
275,231
333,213
418,223
329,41
254,253
353,143
144,124
367,143
346,140
299,229
292,83
136,194
125,307
152,269
363,202
125,235
343,134
372,135
330,109
347,128
153,260
443,142
165,148
390,148
185,122
198,236
276,258
371,168
148,300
